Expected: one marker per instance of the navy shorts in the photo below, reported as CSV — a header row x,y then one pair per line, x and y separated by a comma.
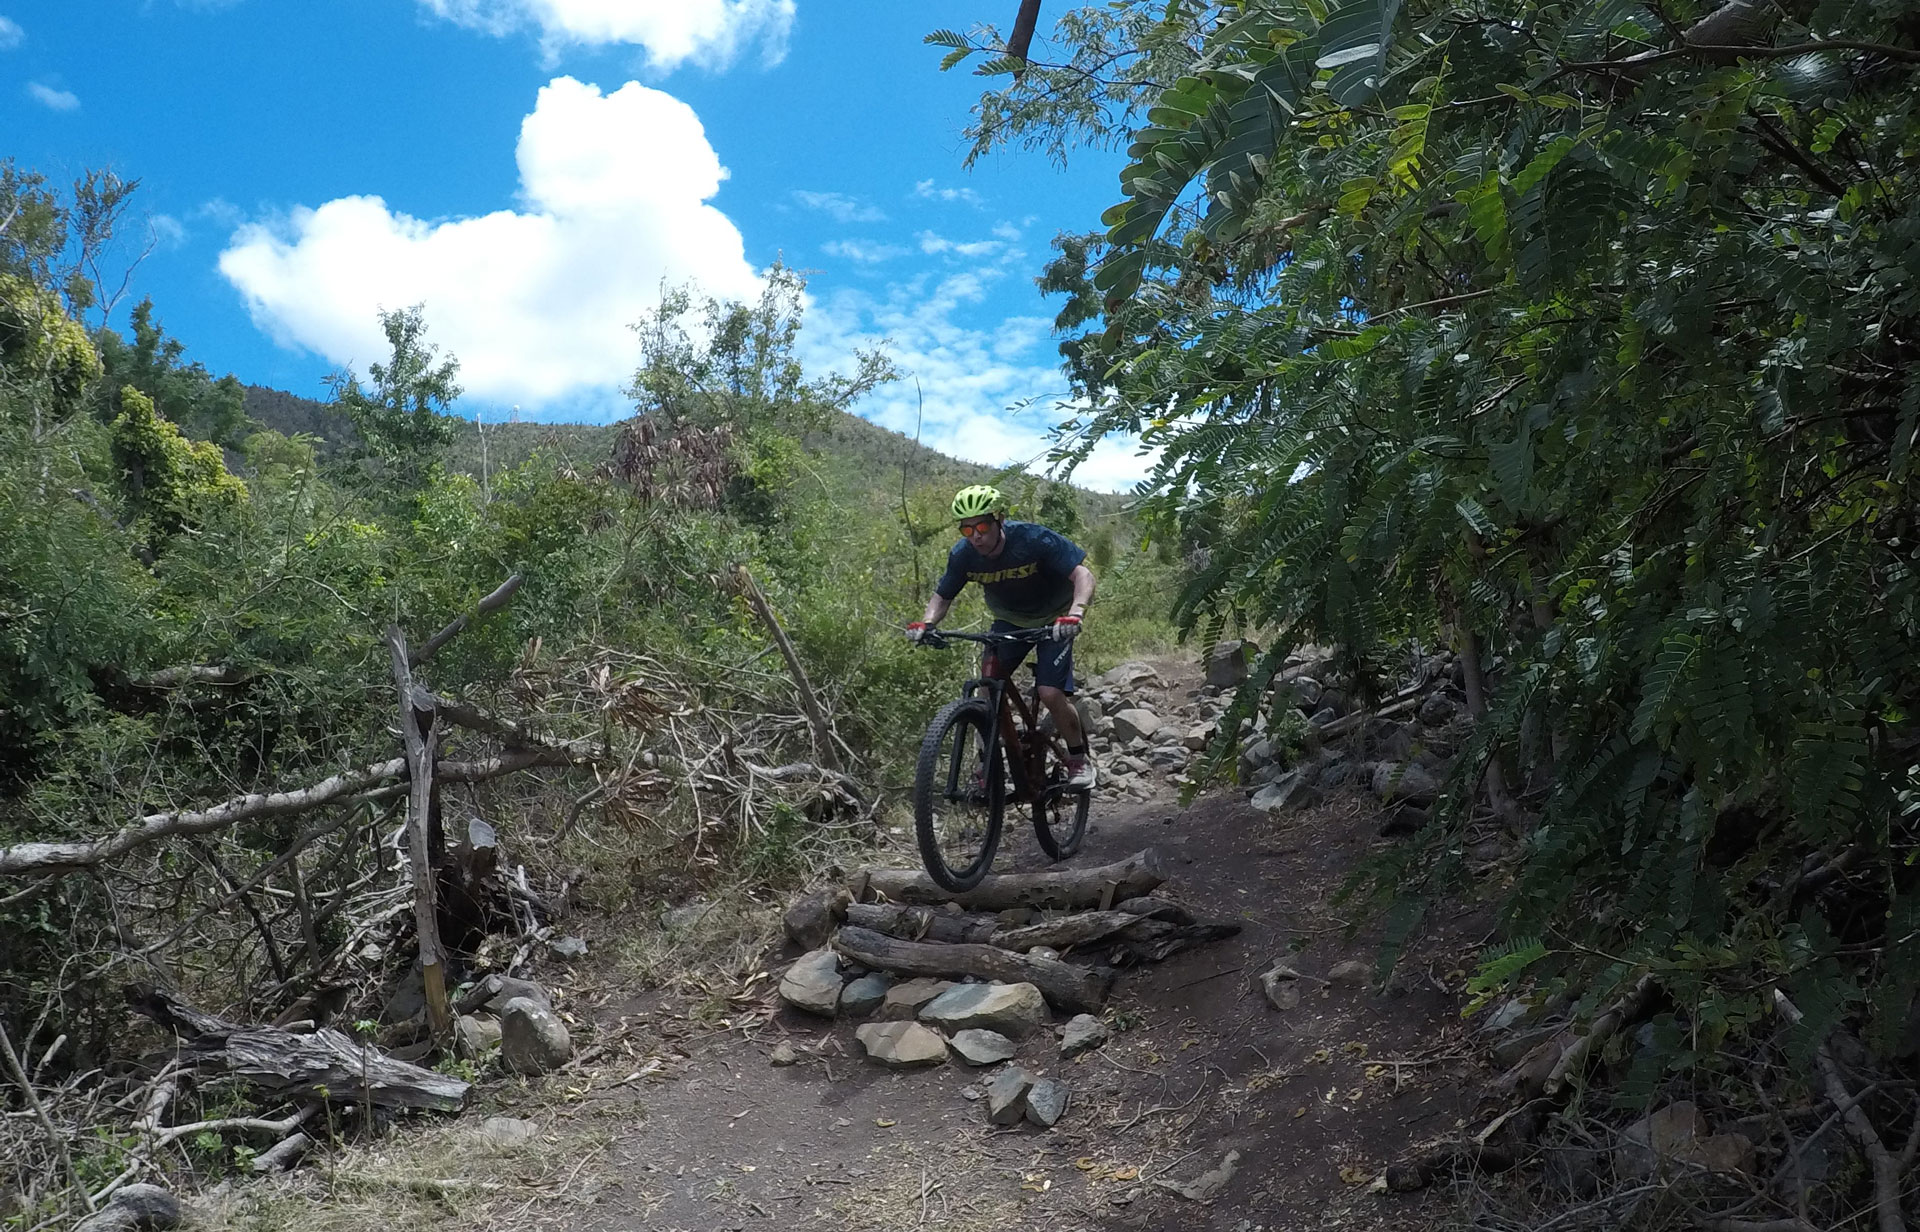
x,y
1053,667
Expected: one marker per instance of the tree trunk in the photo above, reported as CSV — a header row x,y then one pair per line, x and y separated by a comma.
x,y
417,717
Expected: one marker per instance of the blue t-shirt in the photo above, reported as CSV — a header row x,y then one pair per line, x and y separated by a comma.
x,y
1027,584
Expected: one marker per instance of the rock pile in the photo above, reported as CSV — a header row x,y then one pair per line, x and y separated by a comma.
x,y
1309,735
976,976
515,1017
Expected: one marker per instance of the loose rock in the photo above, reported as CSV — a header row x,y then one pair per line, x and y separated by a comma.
x,y
1350,974
568,948
979,1047
903,1001
783,1055
1135,724
1663,1135
533,1040
1083,1033
1227,663
1046,1102
136,1208
1014,1010
813,983
1007,1095
474,1038
1287,793
492,994
901,1045
508,1131
1406,781
863,996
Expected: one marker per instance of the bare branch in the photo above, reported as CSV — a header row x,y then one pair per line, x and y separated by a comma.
x,y
492,603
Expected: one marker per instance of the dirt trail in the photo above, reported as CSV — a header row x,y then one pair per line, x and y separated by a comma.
x,y
675,1118
1315,1100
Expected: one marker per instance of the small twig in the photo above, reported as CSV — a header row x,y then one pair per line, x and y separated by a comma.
x,y
1158,1108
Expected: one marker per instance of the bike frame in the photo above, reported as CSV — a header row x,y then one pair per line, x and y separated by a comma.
x,y
1018,720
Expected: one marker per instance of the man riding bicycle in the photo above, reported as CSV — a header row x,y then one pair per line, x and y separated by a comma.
x,y
1033,578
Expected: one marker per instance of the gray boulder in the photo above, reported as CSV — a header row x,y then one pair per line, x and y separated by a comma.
x,y
491,995
1046,1102
1323,716
508,1131
980,1047
533,1040
903,1000
1227,663
1084,1033
901,1045
1014,1010
1007,1095
863,996
474,1038
136,1208
813,983
1408,782
1135,724
1292,790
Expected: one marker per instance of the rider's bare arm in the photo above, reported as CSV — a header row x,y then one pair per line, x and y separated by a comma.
x,y
937,608
1083,586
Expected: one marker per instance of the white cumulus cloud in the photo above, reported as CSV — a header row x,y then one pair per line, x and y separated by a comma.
x,y
52,98
707,32
536,303
990,394
11,35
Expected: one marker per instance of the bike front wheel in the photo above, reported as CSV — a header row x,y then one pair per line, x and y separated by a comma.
x,y
959,795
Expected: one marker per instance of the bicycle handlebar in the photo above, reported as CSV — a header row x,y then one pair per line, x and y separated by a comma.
x,y
939,639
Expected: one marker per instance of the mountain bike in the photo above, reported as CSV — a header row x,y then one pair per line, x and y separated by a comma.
x,y
990,747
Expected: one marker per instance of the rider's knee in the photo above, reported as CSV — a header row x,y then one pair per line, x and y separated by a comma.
x,y
1049,693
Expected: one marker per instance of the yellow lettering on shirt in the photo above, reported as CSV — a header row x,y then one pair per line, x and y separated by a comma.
x,y
1006,575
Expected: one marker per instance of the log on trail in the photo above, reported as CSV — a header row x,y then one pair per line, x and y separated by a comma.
x,y
1136,937
1073,989
1071,889
326,1065
922,923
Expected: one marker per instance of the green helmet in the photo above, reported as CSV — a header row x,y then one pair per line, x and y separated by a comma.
x,y
977,500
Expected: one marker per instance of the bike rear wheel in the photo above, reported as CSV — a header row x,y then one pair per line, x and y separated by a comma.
x,y
959,795
1059,815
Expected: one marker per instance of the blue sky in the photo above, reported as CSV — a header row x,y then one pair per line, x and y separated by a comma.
x,y
531,169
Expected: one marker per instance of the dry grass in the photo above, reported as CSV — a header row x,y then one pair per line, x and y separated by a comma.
x,y
452,1176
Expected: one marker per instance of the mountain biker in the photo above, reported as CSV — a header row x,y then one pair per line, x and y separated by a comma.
x,y
1033,578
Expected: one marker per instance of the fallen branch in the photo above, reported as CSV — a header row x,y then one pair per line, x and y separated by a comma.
x,y
1072,889
492,603
1886,1169
59,859
1074,989
325,1066
817,721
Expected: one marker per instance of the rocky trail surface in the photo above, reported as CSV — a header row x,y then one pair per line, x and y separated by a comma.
x,y
1263,1081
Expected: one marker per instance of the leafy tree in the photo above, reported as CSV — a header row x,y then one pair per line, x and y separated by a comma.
x,y
1582,338
403,419
725,398
183,393
169,480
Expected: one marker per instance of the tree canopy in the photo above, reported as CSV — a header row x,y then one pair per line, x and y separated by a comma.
x,y
1582,336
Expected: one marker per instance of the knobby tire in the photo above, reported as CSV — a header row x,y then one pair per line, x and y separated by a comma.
x,y
972,716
